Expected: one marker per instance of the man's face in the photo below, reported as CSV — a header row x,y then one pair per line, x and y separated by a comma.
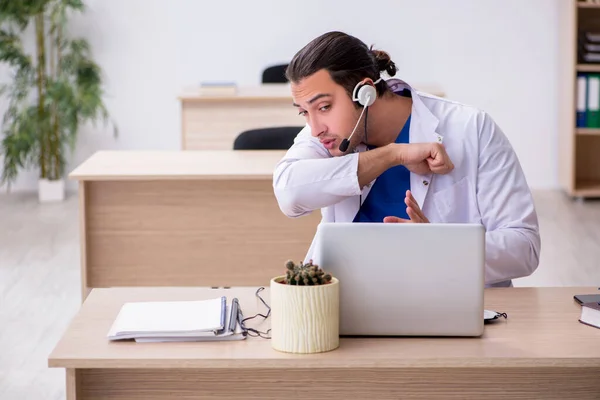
x,y
328,110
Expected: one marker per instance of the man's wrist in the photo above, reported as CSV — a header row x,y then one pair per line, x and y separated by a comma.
x,y
395,154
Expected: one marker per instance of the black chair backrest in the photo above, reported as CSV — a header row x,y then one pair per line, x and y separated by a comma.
x,y
277,138
275,74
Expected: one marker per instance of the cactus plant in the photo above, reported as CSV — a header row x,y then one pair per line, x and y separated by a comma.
x,y
308,274
305,319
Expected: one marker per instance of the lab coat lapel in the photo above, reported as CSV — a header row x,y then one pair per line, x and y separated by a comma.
x,y
422,130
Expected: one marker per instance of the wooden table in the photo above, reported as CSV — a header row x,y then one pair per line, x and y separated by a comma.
x,y
197,218
212,122
540,351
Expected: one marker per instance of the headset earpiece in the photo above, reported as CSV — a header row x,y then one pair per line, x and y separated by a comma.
x,y
365,94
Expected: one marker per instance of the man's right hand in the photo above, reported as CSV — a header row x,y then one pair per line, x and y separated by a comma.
x,y
424,158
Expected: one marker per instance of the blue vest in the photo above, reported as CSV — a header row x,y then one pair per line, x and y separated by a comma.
x,y
386,197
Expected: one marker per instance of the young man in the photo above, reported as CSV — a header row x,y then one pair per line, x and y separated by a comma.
x,y
407,157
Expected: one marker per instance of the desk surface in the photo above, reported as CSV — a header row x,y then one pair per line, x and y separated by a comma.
x,y
267,92
542,330
178,165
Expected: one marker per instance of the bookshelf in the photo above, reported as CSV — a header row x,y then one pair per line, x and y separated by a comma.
x,y
579,147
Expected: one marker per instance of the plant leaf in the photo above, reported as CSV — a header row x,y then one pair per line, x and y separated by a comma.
x,y
11,50
20,12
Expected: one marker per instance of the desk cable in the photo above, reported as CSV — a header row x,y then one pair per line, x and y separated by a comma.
x,y
251,331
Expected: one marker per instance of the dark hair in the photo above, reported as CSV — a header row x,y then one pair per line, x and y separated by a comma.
x,y
347,59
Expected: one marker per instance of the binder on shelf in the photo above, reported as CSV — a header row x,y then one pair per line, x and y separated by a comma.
x,y
593,101
581,100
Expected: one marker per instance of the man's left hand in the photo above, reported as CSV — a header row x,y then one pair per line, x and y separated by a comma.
x,y
412,209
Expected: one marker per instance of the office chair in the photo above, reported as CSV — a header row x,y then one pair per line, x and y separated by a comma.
x,y
276,138
275,74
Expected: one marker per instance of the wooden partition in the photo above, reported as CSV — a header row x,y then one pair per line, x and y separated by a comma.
x,y
185,219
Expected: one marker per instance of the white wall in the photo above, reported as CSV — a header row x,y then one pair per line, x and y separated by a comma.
x,y
499,56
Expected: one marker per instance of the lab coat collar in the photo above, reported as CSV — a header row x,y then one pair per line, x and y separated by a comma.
x,y
423,122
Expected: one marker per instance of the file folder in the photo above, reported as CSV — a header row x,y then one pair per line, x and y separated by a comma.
x,y
582,83
593,101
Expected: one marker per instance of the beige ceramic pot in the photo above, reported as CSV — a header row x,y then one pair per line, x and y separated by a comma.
x,y
305,319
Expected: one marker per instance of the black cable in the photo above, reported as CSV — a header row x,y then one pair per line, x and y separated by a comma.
x,y
366,144
254,332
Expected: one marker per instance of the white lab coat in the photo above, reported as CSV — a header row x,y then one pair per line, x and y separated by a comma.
x,y
487,184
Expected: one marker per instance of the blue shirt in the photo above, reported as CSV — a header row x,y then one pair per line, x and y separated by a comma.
x,y
386,197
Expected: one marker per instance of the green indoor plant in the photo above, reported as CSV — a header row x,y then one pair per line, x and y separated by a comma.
x,y
52,91
304,309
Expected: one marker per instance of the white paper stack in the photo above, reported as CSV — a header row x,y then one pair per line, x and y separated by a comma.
x,y
202,320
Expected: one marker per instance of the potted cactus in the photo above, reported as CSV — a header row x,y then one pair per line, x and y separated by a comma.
x,y
304,310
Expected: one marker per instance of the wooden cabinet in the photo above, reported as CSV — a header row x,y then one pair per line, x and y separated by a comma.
x,y
578,147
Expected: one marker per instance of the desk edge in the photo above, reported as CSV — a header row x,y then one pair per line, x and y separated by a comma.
x,y
154,177
319,363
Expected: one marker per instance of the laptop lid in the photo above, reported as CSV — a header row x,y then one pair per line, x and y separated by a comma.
x,y
406,279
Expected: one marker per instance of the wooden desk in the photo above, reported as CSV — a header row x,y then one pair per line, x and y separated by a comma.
x,y
184,219
540,351
212,122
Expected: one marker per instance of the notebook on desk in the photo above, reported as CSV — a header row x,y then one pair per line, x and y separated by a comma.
x,y
169,321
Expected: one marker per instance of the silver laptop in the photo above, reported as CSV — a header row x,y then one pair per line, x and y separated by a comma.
x,y
406,279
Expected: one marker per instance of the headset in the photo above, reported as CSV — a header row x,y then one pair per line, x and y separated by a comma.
x,y
365,94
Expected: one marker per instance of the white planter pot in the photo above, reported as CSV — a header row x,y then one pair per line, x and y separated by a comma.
x,y
50,191
305,319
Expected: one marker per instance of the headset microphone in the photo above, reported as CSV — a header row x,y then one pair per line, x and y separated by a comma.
x,y
346,142
344,145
